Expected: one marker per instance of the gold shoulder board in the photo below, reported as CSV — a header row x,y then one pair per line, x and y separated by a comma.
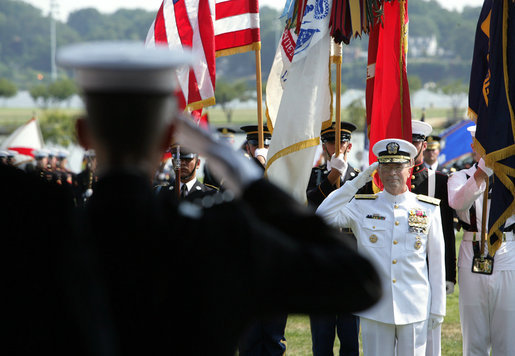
x,y
429,200
366,196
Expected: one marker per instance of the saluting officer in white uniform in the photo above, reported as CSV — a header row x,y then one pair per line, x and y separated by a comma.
x,y
397,230
487,302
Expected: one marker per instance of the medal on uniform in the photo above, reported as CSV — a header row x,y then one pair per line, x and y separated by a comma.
x,y
418,221
418,244
373,239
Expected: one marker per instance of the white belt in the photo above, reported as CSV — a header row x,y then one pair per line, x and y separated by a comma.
x,y
469,236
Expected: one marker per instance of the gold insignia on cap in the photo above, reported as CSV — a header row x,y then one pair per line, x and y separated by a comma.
x,y
392,148
373,238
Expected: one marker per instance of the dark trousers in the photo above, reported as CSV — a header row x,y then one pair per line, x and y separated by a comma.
x,y
323,329
264,337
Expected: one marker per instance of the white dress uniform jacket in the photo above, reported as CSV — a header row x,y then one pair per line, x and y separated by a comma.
x,y
487,302
411,289
463,193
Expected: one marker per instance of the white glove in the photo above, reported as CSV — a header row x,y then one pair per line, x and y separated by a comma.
x,y
482,165
434,321
449,287
263,152
365,176
338,163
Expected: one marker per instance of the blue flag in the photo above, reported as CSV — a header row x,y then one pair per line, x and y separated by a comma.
x,y
457,143
492,99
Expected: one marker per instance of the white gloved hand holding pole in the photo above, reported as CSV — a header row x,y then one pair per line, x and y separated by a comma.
x,y
338,163
434,321
449,287
263,152
482,165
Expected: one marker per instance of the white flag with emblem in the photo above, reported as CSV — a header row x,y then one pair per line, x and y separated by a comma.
x,y
305,103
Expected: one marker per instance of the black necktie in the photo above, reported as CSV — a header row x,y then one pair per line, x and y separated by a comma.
x,y
184,191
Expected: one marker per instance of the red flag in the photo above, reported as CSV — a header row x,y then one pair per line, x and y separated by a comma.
x,y
387,91
236,27
200,120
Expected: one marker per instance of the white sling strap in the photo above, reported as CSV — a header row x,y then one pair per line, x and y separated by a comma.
x,y
431,183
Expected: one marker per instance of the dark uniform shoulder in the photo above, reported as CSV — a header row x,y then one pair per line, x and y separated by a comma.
x,y
211,187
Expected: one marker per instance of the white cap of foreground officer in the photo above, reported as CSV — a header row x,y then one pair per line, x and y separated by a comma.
x,y
394,150
128,94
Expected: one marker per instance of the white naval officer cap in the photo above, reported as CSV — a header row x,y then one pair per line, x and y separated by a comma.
x,y
123,66
394,150
472,130
420,130
62,153
41,153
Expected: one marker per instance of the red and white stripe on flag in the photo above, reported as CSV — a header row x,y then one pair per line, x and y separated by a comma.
x,y
236,27
189,24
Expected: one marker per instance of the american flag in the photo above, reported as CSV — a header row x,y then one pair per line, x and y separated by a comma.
x,y
209,28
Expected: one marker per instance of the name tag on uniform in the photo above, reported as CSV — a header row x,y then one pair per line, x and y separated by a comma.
x,y
418,221
376,217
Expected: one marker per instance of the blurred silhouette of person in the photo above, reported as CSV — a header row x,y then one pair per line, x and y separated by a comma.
x,y
181,278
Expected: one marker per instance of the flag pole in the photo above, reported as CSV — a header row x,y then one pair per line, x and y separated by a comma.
x,y
338,111
259,92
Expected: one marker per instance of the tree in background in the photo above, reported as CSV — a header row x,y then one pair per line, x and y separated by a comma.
x,y
7,89
356,113
58,127
62,90
226,92
56,92
457,91
40,91
415,83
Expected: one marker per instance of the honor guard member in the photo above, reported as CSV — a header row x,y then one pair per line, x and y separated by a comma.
x,y
227,134
323,178
62,171
191,188
321,183
266,336
84,182
432,152
251,144
52,159
434,184
400,232
3,157
41,170
11,157
487,302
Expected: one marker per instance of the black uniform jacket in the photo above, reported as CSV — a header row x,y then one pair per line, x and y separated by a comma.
x,y
319,186
195,194
419,185
186,280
